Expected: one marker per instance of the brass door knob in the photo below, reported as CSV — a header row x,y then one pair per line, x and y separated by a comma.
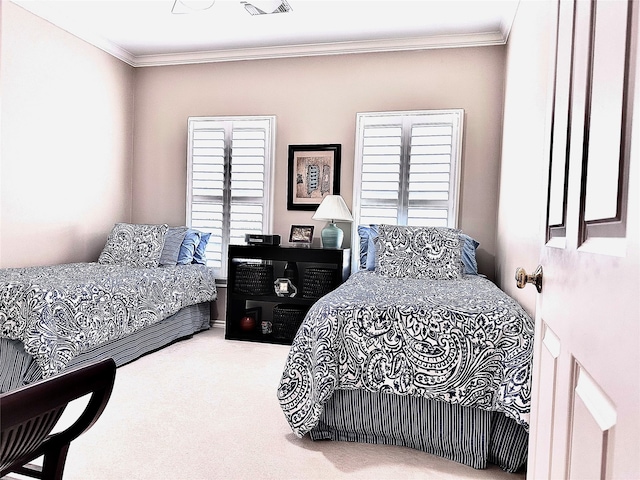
x,y
522,278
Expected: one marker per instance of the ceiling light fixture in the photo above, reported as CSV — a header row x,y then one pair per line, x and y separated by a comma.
x,y
191,6
266,7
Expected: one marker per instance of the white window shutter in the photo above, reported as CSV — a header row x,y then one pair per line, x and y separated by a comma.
x,y
380,173
406,170
432,182
229,180
206,186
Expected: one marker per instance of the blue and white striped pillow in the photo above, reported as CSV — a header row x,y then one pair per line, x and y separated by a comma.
x,y
172,242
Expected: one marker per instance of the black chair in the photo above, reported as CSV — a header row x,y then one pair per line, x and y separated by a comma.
x,y
29,414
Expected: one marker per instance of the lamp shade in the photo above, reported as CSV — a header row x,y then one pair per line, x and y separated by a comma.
x,y
333,209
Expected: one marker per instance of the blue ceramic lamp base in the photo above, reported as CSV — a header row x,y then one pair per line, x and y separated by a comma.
x,y
331,236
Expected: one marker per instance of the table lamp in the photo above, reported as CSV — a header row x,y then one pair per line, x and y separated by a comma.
x,y
332,209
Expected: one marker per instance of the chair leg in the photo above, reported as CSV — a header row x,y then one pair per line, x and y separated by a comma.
x,y
53,463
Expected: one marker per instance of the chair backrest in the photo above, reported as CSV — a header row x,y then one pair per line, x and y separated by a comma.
x,y
29,414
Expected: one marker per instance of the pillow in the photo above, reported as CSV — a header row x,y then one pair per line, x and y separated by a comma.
x,y
368,235
172,242
188,248
469,261
200,254
419,252
134,245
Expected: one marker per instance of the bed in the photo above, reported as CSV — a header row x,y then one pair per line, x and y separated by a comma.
x,y
145,291
415,351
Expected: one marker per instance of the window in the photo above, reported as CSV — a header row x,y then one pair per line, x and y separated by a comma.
x,y
407,168
229,180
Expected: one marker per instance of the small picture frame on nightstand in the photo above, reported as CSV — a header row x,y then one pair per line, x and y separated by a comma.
x,y
301,235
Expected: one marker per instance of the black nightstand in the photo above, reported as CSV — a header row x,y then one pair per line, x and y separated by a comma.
x,y
251,292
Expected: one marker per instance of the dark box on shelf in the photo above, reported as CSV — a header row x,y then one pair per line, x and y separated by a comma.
x,y
254,279
286,321
318,282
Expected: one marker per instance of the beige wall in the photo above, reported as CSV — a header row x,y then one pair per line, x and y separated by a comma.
x,y
66,143
525,144
315,100
72,165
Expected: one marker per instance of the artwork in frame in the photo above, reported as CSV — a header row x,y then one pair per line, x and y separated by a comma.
x,y
301,234
314,172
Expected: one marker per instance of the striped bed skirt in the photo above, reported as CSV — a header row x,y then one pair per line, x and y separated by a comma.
x,y
17,368
465,435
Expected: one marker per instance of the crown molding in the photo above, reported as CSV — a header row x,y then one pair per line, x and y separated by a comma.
x,y
339,48
109,47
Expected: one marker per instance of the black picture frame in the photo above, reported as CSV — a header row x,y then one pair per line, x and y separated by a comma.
x,y
314,172
301,234
255,313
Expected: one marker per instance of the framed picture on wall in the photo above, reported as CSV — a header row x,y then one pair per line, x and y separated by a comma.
x,y
314,172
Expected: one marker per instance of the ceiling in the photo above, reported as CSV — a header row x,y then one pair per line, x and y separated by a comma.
x,y
146,32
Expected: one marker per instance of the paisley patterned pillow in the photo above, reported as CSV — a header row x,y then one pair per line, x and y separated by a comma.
x,y
134,245
418,252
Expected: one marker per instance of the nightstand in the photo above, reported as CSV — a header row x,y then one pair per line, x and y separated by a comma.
x,y
256,297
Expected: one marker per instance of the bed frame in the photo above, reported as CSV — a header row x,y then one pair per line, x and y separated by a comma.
x,y
465,435
17,368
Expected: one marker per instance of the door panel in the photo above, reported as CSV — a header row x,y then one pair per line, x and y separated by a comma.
x,y
547,352
594,417
560,121
606,109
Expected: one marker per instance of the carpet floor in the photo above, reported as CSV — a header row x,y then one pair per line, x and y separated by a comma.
x,y
206,408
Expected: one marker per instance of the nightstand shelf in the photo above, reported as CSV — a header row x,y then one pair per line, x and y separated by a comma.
x,y
335,262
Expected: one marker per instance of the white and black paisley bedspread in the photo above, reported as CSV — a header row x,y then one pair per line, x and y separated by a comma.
x,y
459,341
61,311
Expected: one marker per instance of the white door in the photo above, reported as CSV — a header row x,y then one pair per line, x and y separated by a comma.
x,y
586,391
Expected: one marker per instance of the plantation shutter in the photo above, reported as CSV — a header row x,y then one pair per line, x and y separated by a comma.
x,y
229,181
407,168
